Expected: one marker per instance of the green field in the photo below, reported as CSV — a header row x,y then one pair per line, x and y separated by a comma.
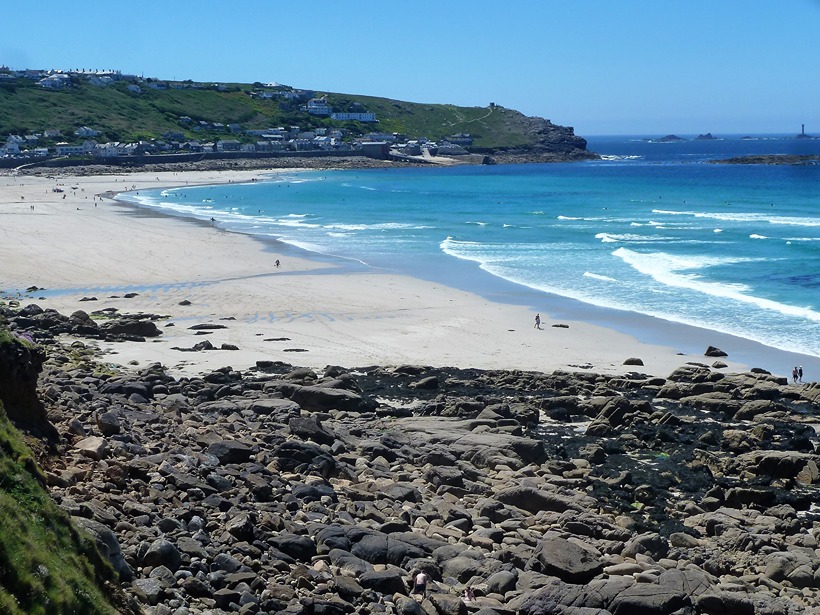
x,y
126,116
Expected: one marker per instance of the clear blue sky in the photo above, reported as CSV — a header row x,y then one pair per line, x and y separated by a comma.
x,y
648,67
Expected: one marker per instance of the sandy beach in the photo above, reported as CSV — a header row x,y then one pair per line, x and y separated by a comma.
x,y
76,245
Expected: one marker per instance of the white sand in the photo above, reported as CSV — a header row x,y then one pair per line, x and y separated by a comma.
x,y
98,248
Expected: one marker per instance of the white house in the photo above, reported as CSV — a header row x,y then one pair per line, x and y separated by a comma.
x,y
300,144
54,82
85,131
366,116
107,150
100,80
228,145
51,133
64,149
319,106
323,143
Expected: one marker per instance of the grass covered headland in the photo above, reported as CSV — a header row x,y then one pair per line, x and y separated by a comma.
x,y
46,565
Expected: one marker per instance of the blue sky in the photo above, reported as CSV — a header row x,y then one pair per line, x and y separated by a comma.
x,y
647,67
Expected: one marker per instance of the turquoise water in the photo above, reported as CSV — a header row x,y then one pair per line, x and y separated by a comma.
x,y
651,229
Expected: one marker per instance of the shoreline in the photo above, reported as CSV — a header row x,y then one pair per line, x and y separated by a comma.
x,y
346,315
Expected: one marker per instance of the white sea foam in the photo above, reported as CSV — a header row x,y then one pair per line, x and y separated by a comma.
x,y
667,269
596,276
477,223
756,236
616,237
743,217
294,223
384,226
718,230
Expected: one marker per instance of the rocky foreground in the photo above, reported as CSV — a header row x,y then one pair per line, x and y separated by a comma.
x,y
283,490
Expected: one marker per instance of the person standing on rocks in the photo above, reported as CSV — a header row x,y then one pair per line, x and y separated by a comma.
x,y
420,584
794,375
800,374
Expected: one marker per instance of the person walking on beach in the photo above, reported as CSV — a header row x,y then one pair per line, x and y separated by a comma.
x,y
420,584
538,321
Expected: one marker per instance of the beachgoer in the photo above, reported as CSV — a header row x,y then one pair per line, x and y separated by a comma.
x,y
799,372
468,595
277,262
420,584
794,375
538,321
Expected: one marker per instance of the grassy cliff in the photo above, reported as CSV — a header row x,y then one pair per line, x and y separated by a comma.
x,y
46,566
123,115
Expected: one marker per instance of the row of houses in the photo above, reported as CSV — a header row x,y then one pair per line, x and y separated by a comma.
x,y
320,107
269,141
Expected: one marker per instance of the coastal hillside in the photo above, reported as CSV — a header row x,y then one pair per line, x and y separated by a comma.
x,y
119,108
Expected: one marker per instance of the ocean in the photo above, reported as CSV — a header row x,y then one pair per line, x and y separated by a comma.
x,y
652,230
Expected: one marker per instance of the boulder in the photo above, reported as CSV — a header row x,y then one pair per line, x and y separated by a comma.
x,y
712,351
94,447
162,552
108,545
230,451
388,581
569,561
322,399
310,428
535,500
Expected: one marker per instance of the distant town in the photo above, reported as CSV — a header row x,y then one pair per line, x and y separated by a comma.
x,y
87,141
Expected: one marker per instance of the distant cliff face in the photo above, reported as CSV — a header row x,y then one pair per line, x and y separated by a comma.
x,y
554,138
546,141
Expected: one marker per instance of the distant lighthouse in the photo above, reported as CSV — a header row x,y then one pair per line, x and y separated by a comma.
x,y
803,134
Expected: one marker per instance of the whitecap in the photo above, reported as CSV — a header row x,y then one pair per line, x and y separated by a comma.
x,y
667,269
597,276
743,217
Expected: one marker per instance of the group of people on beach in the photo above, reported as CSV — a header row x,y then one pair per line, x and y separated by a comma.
x,y
797,374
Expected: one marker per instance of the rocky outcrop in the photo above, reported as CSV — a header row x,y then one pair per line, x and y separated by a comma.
x,y
285,489
20,364
547,141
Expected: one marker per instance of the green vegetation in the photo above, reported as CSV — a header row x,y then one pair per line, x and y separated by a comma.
x,y
46,566
122,115
7,338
